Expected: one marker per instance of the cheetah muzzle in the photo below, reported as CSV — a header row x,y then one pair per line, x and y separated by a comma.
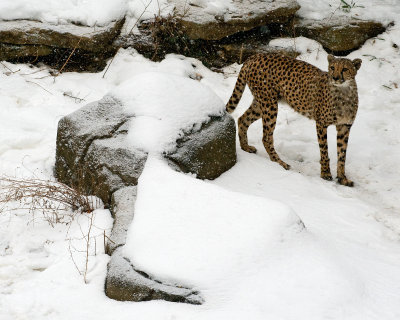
x,y
326,97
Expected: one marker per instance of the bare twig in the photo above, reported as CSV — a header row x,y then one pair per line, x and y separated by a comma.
x,y
137,21
4,65
38,70
69,57
39,86
77,99
87,247
72,257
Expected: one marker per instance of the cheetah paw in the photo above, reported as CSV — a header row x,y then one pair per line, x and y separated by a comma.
x,y
284,165
326,176
249,149
346,182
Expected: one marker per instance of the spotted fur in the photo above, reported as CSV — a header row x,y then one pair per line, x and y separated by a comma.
x,y
329,98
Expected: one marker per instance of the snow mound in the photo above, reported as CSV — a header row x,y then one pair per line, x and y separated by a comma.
x,y
190,230
164,107
86,12
234,248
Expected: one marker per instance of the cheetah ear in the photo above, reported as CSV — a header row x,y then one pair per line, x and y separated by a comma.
x,y
357,63
330,58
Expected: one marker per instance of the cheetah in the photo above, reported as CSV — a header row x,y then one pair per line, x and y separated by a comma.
x,y
329,98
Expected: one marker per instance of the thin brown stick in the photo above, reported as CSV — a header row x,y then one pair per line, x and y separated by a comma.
x,y
69,57
9,68
87,247
73,97
137,21
39,86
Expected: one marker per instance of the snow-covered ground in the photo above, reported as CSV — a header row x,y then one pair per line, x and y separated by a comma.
x,y
102,12
237,239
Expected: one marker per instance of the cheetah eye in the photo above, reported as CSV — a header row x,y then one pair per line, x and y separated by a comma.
x,y
345,69
332,68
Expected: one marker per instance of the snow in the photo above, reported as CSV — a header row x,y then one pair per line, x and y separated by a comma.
x,y
198,211
384,11
252,261
102,12
169,104
88,12
224,243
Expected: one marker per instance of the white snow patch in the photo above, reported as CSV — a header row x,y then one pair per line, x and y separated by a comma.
x,y
218,230
384,11
192,232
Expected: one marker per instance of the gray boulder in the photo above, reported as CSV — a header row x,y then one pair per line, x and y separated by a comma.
x,y
209,151
93,155
199,23
338,35
26,40
125,283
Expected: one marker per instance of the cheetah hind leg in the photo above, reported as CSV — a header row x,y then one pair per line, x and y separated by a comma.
x,y
252,114
269,116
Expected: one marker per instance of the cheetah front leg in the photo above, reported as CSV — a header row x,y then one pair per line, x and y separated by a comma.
x,y
252,114
269,115
323,148
343,132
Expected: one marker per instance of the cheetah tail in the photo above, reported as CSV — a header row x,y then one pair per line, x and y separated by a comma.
x,y
237,92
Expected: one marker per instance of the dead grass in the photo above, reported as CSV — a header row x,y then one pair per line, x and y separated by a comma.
x,y
57,202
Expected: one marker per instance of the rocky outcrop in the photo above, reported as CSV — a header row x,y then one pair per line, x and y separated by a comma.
x,y
92,153
89,47
220,40
125,283
161,36
198,22
339,35
218,37
236,52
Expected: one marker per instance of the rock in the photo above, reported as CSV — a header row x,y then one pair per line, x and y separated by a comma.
x,y
12,51
112,164
338,35
122,209
92,154
199,22
209,151
27,32
239,53
124,283
161,36
90,46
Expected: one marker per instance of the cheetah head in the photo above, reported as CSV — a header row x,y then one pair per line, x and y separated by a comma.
x,y
342,70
